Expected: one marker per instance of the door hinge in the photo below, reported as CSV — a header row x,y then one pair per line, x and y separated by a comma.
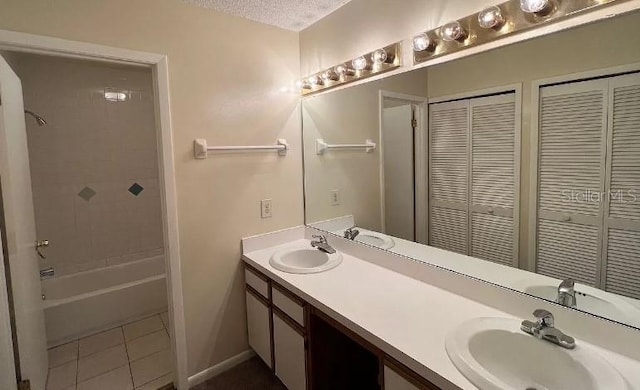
x,y
414,123
24,385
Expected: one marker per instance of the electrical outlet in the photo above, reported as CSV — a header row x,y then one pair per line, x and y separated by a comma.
x,y
265,208
335,197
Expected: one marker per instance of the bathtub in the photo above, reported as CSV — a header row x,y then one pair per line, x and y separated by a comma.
x,y
88,302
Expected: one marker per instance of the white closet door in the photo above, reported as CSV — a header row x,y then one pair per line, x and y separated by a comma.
x,y
493,180
622,208
571,167
448,160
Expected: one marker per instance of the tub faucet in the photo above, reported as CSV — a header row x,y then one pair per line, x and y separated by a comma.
x,y
321,244
567,293
351,233
47,273
543,328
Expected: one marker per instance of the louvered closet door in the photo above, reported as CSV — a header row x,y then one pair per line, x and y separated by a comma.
x,y
493,130
448,174
572,127
622,210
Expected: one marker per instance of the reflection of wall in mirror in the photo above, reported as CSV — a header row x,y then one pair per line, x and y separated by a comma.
x,y
348,116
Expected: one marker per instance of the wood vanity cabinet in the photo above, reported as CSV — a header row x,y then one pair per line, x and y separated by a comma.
x,y
308,350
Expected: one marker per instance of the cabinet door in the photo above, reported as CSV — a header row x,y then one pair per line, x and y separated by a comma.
x,y
395,381
289,351
258,326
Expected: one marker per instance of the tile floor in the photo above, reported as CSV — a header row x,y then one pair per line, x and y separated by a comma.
x,y
133,356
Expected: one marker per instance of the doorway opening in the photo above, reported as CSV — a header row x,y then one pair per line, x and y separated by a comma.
x,y
88,174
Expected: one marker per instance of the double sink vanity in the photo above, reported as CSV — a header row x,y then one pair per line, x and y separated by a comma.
x,y
331,313
486,234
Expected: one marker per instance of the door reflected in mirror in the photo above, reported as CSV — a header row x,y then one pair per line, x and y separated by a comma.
x,y
519,166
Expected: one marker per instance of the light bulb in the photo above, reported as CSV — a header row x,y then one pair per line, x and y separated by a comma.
x,y
343,70
315,80
491,17
301,84
330,75
359,63
422,42
453,31
534,6
379,56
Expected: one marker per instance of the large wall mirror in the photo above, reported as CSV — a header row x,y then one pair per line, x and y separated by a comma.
x,y
519,166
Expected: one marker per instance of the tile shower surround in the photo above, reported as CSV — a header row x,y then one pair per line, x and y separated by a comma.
x,y
94,166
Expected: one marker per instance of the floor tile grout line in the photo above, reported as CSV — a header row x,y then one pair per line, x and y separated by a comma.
x,y
133,384
110,329
146,383
166,373
77,363
150,354
153,331
106,372
124,341
102,373
146,334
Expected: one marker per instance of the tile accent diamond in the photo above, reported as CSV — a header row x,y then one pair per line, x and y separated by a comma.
x,y
87,193
136,189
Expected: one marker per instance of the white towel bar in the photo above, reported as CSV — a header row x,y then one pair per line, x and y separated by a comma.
x,y
322,146
200,148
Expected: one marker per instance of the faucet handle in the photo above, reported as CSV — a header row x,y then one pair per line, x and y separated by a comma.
x,y
319,237
544,318
567,285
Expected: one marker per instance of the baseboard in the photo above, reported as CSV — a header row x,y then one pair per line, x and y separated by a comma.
x,y
219,368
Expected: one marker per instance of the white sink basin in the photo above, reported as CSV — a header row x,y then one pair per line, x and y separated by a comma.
x,y
304,261
593,301
494,354
379,240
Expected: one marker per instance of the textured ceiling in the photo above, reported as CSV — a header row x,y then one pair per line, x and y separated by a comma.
x,y
289,14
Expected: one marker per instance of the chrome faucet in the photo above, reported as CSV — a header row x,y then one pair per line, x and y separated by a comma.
x,y
544,329
321,244
351,233
567,293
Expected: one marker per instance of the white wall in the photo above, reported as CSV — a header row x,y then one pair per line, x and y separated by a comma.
x,y
90,142
224,74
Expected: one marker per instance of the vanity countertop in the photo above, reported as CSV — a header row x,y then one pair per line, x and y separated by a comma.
x,y
406,318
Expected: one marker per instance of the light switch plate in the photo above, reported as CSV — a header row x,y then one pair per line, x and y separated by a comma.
x,y
335,197
265,208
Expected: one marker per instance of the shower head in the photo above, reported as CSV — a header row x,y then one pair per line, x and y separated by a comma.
x,y
39,119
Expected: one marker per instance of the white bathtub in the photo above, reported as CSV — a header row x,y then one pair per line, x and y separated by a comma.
x,y
88,302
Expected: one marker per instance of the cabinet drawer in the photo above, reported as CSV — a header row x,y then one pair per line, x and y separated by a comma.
x,y
285,301
257,282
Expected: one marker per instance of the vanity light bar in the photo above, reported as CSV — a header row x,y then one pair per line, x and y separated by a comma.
x,y
370,64
495,22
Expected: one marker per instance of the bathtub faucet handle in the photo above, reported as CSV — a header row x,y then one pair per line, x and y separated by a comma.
x,y
41,244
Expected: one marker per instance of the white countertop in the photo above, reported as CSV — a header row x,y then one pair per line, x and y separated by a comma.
x,y
503,275
406,318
